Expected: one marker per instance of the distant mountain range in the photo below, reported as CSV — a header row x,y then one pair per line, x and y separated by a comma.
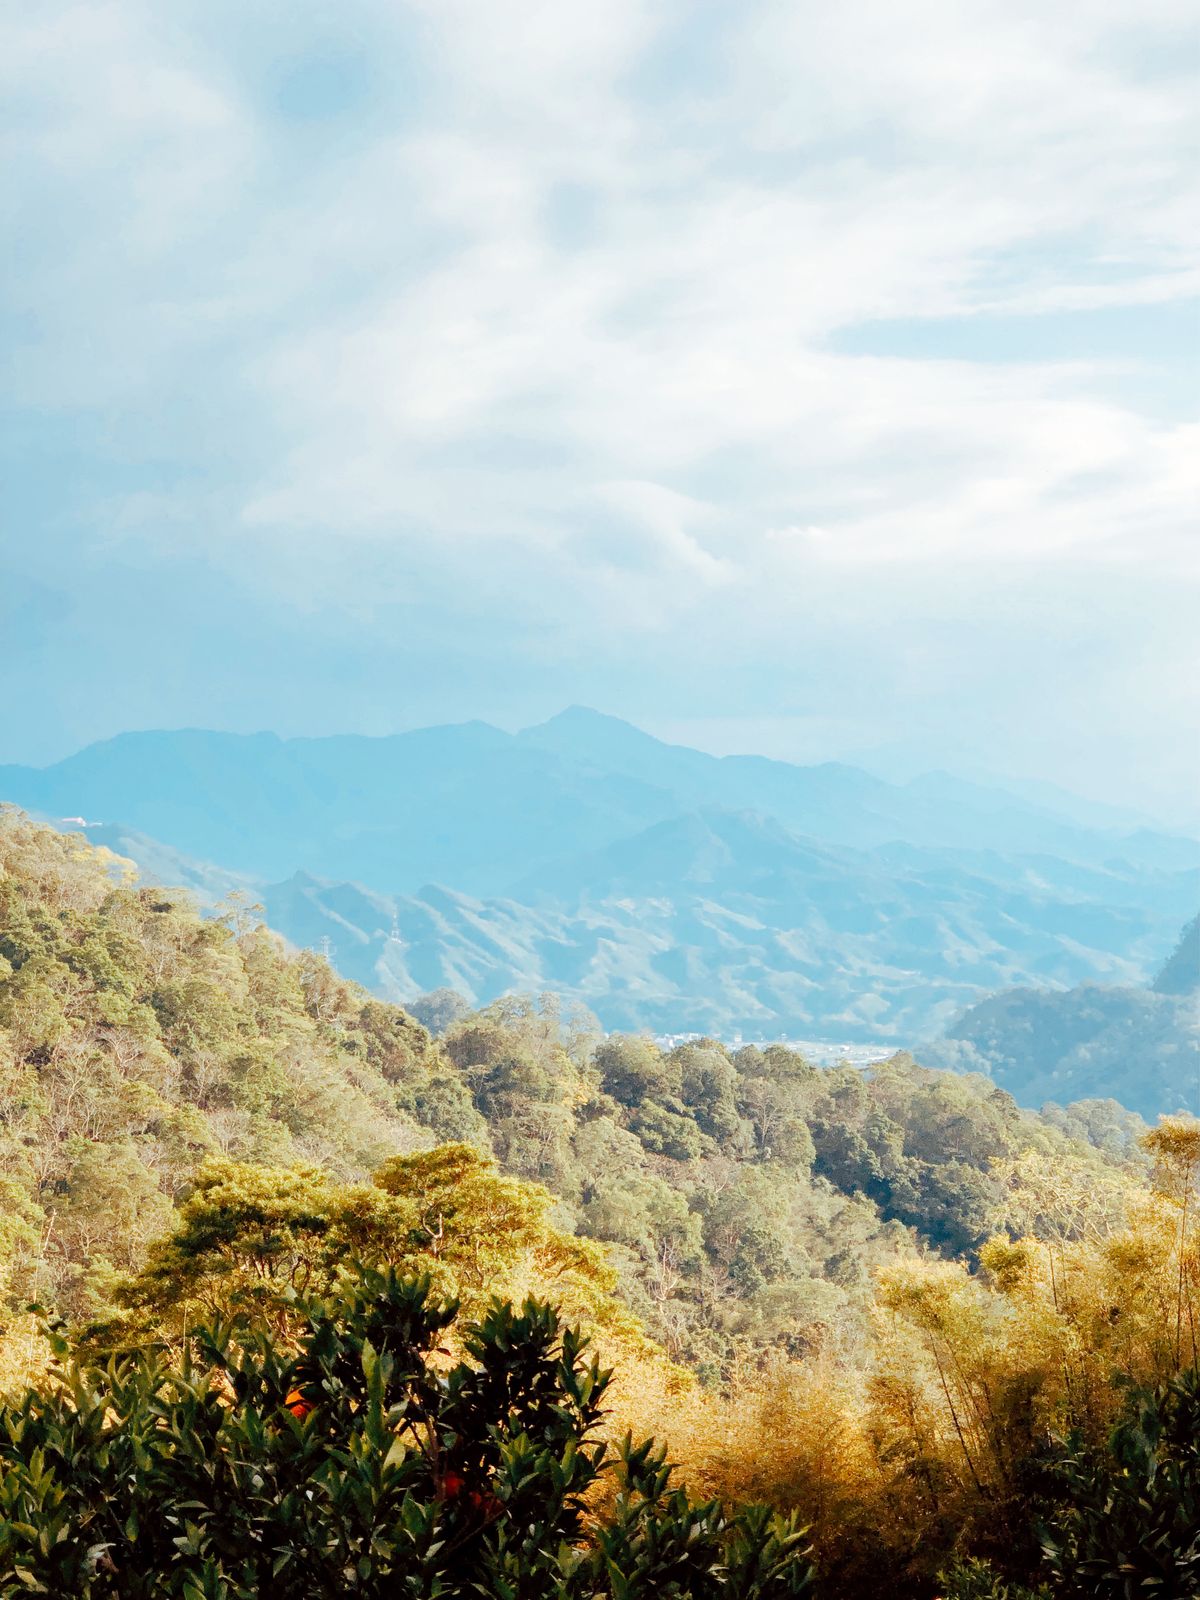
x,y
663,887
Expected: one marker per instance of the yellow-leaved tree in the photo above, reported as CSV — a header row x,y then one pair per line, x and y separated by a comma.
x,y
249,1238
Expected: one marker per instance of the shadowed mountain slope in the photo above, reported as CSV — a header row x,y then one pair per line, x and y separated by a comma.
x,y
1139,1045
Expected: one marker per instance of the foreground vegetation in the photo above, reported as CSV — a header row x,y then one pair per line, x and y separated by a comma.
x,y
347,1462
346,1451
953,1338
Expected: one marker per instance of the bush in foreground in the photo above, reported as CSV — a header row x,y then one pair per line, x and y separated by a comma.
x,y
361,1461
1117,1521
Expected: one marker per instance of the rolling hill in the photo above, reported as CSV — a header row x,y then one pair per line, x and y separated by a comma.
x,y
1136,1044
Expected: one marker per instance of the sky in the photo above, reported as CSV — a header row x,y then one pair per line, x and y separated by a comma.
x,y
816,380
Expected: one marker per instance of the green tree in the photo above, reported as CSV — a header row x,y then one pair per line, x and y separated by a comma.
x,y
633,1069
250,1239
1128,1521
352,1463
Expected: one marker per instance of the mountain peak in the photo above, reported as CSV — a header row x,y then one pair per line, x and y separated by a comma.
x,y
581,732
582,718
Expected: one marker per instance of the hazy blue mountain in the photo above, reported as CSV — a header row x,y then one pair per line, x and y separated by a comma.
x,y
467,805
480,809
1180,974
665,887
845,805
725,922
1059,802
1136,1044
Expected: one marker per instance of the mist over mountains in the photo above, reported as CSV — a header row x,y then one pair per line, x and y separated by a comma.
x,y
663,887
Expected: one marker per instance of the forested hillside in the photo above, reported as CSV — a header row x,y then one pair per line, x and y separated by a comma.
x,y
1139,1045
889,1302
745,1198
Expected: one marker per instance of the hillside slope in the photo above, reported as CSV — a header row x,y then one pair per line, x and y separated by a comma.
x,y
136,1038
1136,1044
746,1197
725,923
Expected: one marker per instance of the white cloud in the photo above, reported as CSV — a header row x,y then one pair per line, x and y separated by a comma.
x,y
564,314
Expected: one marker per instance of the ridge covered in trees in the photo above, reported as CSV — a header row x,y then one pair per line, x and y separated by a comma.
x,y
890,1303
745,1199
1139,1044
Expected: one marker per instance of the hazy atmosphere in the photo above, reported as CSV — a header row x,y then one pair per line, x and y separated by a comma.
x,y
600,800
816,382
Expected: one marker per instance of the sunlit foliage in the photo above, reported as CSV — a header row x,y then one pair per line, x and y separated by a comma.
x,y
889,1302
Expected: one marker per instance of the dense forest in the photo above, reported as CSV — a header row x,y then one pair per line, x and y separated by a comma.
x,y
890,1304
